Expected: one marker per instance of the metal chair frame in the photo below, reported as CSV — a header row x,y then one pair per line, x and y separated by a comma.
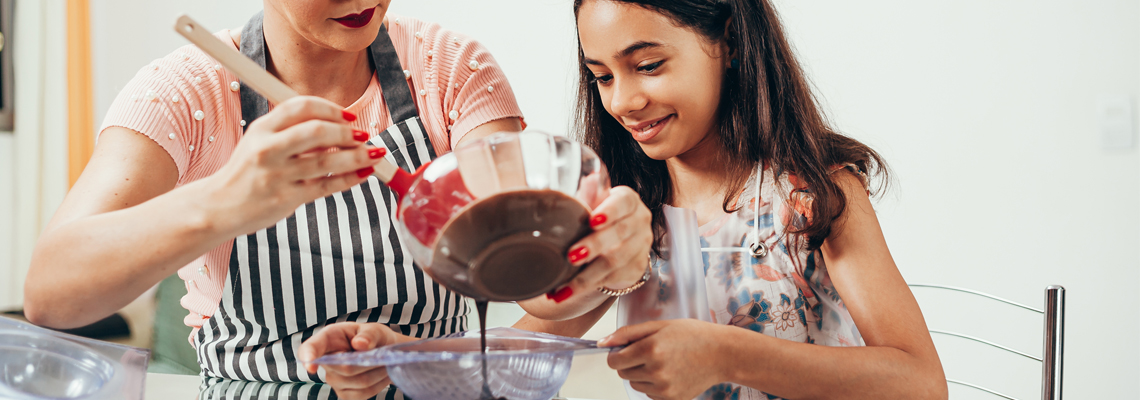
x,y
1054,339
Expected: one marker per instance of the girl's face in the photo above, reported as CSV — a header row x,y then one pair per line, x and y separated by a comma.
x,y
345,25
659,80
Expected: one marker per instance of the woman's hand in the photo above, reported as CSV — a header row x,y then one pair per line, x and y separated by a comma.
x,y
616,254
349,382
300,151
673,359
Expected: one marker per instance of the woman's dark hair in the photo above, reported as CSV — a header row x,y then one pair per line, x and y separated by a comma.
x,y
767,114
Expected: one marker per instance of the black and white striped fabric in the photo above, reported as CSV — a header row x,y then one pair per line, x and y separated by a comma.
x,y
336,259
224,389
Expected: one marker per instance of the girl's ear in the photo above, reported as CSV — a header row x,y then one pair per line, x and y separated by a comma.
x,y
729,45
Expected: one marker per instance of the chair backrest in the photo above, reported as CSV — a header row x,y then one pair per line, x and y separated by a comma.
x,y
1053,337
170,353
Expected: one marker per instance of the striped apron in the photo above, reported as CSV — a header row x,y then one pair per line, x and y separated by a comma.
x,y
336,259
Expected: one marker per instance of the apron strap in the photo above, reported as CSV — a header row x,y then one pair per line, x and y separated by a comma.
x,y
390,74
253,104
382,53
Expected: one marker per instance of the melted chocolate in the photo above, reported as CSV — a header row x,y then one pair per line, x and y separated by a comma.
x,y
510,246
481,307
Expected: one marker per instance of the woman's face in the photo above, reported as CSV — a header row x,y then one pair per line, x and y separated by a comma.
x,y
659,80
345,25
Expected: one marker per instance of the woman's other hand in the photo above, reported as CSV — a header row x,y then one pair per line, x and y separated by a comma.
x,y
349,382
300,151
673,359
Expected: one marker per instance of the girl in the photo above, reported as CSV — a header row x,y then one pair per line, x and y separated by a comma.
x,y
700,104
277,237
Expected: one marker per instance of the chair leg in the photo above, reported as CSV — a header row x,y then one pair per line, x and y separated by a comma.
x,y
1054,343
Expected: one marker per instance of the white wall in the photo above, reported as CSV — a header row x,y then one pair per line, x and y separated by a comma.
x,y
34,176
985,110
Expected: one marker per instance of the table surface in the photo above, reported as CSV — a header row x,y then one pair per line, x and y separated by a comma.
x,y
169,386
179,387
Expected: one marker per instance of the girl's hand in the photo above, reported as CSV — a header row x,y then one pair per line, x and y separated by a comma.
x,y
349,382
301,151
673,359
615,255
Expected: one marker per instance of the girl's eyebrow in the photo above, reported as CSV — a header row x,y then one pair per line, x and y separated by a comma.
x,y
626,52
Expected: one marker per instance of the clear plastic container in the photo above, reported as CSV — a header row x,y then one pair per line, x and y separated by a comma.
x,y
676,289
47,367
39,364
521,365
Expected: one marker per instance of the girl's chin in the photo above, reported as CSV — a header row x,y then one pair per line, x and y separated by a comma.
x,y
656,152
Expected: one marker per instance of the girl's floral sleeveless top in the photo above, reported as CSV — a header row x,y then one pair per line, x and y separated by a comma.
x,y
787,293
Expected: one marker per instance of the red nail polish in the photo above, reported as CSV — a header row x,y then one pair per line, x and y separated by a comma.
x,y
597,220
364,172
377,153
347,115
360,136
562,294
578,254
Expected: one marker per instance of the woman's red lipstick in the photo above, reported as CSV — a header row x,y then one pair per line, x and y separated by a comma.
x,y
357,20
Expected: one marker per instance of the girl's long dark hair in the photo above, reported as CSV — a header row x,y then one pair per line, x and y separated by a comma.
x,y
767,113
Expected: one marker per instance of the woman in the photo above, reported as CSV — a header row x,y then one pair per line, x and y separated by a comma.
x,y
700,104
269,212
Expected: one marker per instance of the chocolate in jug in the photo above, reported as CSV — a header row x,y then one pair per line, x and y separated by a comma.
x,y
510,246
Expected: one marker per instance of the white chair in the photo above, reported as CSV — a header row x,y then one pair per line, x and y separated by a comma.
x,y
1053,338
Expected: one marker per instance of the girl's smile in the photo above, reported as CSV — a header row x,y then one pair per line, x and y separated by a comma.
x,y
646,131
